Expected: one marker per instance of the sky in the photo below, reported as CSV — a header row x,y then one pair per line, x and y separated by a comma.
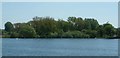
x,y
0,15
59,0
24,11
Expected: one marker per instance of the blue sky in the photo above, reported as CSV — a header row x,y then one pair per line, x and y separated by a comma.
x,y
59,0
0,15
25,11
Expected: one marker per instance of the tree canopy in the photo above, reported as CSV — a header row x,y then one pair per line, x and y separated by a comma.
x,y
73,27
9,27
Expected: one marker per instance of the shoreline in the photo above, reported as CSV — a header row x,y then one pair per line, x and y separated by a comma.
x,y
60,38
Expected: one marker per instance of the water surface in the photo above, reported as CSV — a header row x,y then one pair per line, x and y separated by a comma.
x,y
60,47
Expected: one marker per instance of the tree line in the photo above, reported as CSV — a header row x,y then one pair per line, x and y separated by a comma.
x,y
48,27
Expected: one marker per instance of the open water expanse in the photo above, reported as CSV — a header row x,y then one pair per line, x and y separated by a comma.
x,y
59,47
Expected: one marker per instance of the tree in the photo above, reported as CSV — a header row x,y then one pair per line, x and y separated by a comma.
x,y
19,25
77,23
44,25
91,33
27,32
0,32
63,25
100,31
75,34
109,30
91,23
71,19
5,34
14,35
9,27
118,32
74,27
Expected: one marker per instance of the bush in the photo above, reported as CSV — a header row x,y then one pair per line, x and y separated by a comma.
x,y
27,32
14,35
75,34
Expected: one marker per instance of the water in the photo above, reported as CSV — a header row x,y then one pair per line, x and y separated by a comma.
x,y
0,47
60,47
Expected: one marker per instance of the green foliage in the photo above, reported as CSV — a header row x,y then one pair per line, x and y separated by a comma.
x,y
5,34
48,27
118,32
9,27
0,31
53,35
27,32
100,31
14,35
91,33
91,23
75,34
76,23
63,25
109,30
43,26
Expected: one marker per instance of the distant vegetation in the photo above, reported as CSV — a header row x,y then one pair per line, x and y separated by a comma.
x,y
47,27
